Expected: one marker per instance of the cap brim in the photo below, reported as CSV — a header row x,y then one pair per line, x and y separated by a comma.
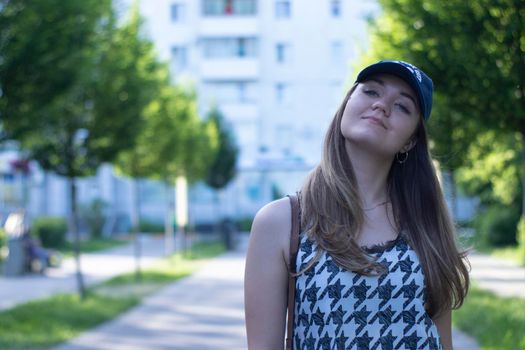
x,y
398,70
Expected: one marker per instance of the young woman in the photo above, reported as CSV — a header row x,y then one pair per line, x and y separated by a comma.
x,y
378,266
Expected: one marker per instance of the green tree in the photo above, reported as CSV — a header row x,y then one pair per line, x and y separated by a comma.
x,y
177,142
492,169
223,166
151,76
492,174
71,82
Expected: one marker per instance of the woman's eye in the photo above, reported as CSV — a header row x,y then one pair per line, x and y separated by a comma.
x,y
370,92
403,108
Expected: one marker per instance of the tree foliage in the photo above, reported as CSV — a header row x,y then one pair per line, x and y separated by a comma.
x,y
154,74
492,169
176,141
73,85
223,166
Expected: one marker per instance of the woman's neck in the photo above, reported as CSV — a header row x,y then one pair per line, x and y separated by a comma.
x,y
371,172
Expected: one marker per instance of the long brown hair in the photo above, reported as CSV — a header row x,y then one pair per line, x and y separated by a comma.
x,y
332,216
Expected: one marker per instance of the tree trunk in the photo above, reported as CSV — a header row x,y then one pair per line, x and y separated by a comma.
x,y
217,205
523,174
25,192
168,221
76,237
453,194
135,223
521,237
44,194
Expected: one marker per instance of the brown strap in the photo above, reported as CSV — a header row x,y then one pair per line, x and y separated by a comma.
x,y
294,245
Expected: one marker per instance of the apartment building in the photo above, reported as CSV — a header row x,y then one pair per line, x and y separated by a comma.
x,y
276,69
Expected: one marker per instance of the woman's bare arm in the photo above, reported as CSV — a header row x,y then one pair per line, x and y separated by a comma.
x,y
266,276
444,325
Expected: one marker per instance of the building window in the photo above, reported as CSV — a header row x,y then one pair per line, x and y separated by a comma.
x,y
282,52
281,93
336,49
242,92
241,47
283,139
229,7
283,9
179,57
229,47
232,91
335,8
177,12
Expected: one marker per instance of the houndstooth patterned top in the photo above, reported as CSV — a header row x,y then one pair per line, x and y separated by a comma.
x,y
338,309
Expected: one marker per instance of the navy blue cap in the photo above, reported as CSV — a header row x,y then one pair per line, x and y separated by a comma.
x,y
416,78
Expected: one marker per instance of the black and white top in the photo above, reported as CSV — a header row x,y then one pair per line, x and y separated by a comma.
x,y
339,309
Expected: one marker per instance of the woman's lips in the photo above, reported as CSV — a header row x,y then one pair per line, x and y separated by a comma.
x,y
376,121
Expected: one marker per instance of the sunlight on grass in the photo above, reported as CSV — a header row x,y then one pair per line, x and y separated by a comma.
x,y
45,323
513,254
93,245
509,253
496,322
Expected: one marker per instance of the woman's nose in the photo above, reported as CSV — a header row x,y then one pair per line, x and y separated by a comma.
x,y
381,106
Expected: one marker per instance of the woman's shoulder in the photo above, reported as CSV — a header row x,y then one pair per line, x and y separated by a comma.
x,y
275,215
272,223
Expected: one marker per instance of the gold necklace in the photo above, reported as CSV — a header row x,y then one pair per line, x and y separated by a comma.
x,y
375,206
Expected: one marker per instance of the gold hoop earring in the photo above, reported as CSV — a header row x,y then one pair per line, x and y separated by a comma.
x,y
401,160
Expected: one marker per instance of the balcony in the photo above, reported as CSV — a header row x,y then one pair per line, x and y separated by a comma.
x,y
229,69
228,26
240,112
229,8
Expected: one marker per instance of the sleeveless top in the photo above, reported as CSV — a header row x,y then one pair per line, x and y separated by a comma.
x,y
339,309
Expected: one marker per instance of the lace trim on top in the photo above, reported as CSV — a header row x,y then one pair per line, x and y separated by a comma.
x,y
381,247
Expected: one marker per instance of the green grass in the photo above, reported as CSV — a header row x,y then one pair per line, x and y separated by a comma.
x,y
509,253
496,322
93,245
172,268
513,254
48,322
44,323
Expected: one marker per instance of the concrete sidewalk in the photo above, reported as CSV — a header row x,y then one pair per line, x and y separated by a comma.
x,y
203,311
499,276
96,267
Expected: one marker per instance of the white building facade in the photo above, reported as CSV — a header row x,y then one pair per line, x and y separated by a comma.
x,y
276,69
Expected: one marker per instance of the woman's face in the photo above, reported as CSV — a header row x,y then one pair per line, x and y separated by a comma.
x,y
382,115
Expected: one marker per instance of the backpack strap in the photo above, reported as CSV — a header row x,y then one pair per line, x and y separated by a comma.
x,y
294,246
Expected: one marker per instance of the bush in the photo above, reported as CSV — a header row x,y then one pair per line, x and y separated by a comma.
x,y
245,224
50,230
94,216
497,225
3,238
3,243
521,238
147,226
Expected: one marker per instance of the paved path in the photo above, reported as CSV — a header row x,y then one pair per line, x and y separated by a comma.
x,y
204,311
96,267
462,341
501,277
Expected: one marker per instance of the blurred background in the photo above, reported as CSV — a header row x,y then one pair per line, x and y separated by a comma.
x,y
184,117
